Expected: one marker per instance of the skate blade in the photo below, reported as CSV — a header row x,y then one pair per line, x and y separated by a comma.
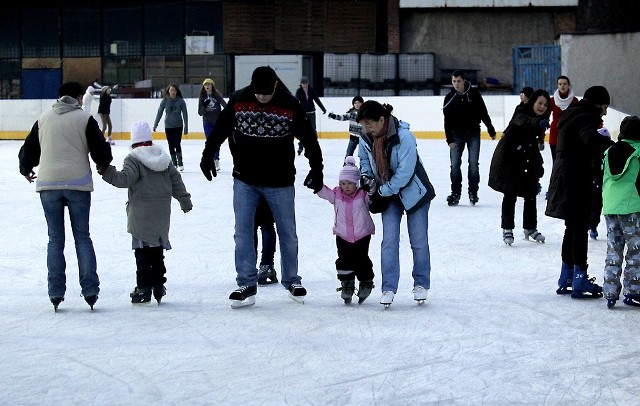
x,y
386,305
297,299
420,301
564,291
267,282
236,304
586,295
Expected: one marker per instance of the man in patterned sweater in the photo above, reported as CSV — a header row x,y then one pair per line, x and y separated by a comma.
x,y
261,122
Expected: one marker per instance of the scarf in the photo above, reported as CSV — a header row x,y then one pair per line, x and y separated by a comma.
x,y
563,102
382,166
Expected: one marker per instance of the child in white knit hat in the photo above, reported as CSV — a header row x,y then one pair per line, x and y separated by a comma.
x,y
353,227
152,181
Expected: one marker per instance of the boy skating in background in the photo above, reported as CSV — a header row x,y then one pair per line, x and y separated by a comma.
x,y
353,227
354,126
152,181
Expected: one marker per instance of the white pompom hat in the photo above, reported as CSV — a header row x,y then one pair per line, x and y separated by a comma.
x,y
141,132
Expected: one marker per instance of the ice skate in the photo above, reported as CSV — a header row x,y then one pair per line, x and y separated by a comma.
x,y
420,294
267,275
584,287
297,292
533,235
632,300
565,280
243,296
111,141
181,168
364,290
300,148
55,301
217,164
158,292
507,236
387,298
140,296
347,290
473,198
453,199
91,300
593,233
612,302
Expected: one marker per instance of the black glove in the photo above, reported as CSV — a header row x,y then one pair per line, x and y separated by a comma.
x,y
367,184
206,102
544,123
378,203
491,131
314,180
332,115
208,167
101,169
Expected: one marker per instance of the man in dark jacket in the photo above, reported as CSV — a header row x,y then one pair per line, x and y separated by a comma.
x,y
308,98
570,188
60,143
260,122
463,110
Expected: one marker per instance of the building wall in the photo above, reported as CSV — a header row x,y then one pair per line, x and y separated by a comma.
x,y
480,39
610,60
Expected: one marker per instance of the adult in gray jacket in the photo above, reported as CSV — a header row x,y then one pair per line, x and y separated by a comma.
x,y
175,110
60,143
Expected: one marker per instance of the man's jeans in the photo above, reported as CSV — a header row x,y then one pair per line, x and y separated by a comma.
x,y
472,140
418,227
281,201
79,205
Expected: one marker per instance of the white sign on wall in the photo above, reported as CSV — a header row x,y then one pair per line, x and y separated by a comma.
x,y
199,44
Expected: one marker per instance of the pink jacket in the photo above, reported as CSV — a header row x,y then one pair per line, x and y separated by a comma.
x,y
353,220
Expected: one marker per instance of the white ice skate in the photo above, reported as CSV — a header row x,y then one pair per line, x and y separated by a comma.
x,y
420,294
387,298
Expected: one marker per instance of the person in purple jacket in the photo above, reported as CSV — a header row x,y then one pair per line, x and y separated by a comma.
x,y
353,227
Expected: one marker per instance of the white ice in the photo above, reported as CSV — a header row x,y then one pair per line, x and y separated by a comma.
x,y
492,331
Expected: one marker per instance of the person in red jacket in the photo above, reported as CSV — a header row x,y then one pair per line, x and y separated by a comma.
x,y
561,99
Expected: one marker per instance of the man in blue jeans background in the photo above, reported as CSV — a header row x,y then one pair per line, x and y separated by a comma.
x,y
60,143
463,110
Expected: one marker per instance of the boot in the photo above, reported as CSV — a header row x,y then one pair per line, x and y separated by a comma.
x,y
566,279
584,287
347,288
364,290
141,295
179,159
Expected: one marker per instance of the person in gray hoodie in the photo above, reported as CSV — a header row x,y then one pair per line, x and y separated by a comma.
x,y
152,181
175,120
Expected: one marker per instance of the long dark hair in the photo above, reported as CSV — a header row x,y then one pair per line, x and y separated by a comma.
x,y
372,110
175,86
534,97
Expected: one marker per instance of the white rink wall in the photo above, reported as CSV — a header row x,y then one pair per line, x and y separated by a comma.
x,y
423,113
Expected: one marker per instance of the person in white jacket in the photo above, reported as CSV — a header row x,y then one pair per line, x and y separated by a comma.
x,y
353,227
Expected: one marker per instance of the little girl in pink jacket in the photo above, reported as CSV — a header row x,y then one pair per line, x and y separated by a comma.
x,y
353,227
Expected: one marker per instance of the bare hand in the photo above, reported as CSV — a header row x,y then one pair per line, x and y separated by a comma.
x,y
31,177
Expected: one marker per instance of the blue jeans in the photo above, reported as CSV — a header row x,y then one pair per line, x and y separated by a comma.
x,y
208,128
281,201
472,141
79,205
353,144
418,227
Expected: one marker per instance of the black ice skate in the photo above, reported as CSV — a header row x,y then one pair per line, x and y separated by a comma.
x,y
56,302
364,290
347,290
158,292
140,296
267,275
243,296
583,286
453,199
632,300
91,300
473,198
297,292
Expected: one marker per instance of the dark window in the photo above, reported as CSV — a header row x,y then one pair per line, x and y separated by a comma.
x,y
41,32
81,31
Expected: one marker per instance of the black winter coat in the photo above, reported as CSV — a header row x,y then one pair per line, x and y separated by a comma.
x,y
579,143
516,165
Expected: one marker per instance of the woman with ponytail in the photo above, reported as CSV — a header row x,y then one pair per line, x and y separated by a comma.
x,y
392,170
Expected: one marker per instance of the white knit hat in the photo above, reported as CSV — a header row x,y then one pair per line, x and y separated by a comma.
x,y
350,171
140,132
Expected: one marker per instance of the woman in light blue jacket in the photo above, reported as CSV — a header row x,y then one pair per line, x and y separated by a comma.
x,y
393,172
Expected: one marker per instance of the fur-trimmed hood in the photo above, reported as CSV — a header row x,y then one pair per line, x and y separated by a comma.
x,y
152,156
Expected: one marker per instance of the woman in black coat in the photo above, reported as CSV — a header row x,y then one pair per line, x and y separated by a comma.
x,y
516,166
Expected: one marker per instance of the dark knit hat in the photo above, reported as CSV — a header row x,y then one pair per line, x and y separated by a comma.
x,y
304,80
357,98
597,95
527,91
263,80
630,128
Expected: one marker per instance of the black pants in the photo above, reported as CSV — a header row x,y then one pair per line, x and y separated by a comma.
x,y
575,242
174,138
151,270
529,214
353,260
